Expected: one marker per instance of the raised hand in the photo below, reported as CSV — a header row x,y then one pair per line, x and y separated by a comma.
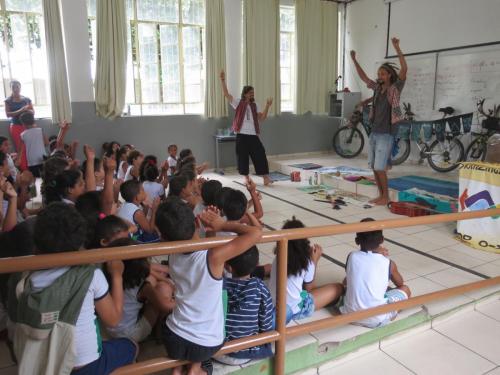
x,y
9,190
110,165
211,220
269,102
395,42
64,124
353,54
222,75
89,152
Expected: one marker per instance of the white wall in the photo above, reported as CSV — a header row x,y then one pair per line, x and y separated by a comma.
x,y
366,29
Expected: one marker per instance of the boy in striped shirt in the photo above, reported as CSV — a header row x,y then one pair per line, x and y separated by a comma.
x,y
250,307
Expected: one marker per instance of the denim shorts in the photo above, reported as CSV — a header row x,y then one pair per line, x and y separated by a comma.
x,y
380,151
306,308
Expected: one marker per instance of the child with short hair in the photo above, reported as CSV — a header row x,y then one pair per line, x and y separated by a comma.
x,y
134,195
194,330
368,272
34,142
152,187
303,297
250,307
172,159
73,295
5,148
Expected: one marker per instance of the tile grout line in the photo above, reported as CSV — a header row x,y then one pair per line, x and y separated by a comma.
x,y
416,251
463,346
396,360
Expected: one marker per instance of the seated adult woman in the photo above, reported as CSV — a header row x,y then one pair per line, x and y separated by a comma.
x,y
15,105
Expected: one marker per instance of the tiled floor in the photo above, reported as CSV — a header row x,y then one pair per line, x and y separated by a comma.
x,y
471,342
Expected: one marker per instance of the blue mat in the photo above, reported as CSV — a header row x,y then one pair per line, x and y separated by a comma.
x,y
278,176
430,185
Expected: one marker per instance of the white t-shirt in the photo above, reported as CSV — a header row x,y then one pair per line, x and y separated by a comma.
x,y
367,276
198,315
293,285
35,146
120,175
128,175
127,211
172,163
12,167
87,336
248,126
131,309
153,189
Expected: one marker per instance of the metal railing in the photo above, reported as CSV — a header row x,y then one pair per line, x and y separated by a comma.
x,y
281,333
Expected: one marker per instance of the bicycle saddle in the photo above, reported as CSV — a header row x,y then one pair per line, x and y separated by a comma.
x,y
447,110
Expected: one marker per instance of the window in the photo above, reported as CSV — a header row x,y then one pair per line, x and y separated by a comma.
x,y
287,57
23,54
165,62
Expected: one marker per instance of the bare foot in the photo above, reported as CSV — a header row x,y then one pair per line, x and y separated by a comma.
x,y
374,200
382,202
267,181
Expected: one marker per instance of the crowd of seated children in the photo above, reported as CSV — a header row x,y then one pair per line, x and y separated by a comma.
x,y
368,272
107,201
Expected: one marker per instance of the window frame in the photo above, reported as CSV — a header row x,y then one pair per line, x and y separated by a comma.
x,y
134,56
4,16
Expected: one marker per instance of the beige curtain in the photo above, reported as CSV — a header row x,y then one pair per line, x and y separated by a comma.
x,y
111,71
58,76
261,63
215,103
316,30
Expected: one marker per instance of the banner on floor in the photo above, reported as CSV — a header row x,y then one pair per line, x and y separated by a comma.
x,y
479,189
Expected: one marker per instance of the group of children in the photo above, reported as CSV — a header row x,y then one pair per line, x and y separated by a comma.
x,y
199,299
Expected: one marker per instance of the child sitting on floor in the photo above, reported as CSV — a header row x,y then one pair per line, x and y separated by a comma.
x,y
194,330
303,297
144,298
134,195
250,308
55,323
368,273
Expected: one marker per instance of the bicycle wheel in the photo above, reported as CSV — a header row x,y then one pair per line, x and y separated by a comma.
x,y
400,151
445,156
476,150
348,142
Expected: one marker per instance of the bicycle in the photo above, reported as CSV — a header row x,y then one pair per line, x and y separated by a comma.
x,y
491,124
447,151
443,155
348,141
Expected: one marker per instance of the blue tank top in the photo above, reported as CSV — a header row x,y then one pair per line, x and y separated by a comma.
x,y
15,106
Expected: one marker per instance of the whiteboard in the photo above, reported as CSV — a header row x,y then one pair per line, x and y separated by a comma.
x,y
419,86
464,78
429,25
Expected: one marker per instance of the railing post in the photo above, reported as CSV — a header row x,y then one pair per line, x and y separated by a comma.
x,y
279,359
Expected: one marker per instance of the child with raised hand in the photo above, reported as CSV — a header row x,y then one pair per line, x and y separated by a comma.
x,y
73,295
368,272
134,195
145,298
303,296
250,307
194,330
